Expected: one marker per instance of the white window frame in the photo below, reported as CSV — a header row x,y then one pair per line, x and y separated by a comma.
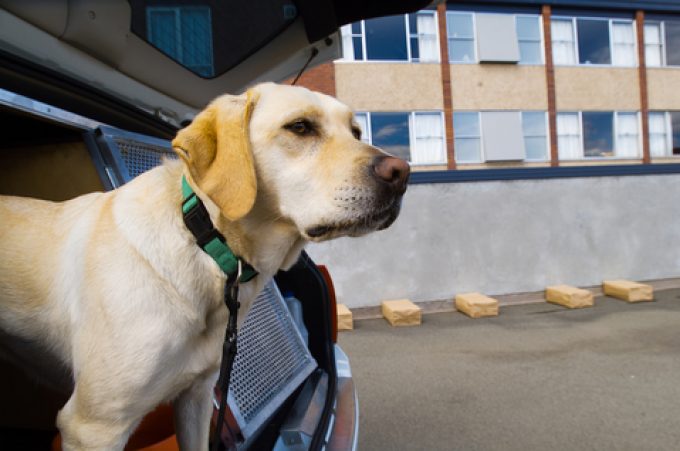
x,y
580,136
413,138
609,20
411,133
475,57
574,45
661,44
414,33
665,44
615,137
482,154
346,30
662,30
630,22
668,135
547,136
540,39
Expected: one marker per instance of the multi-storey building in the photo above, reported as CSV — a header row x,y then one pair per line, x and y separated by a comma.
x,y
565,115
483,84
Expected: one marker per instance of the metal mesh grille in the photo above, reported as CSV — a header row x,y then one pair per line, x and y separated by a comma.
x,y
270,354
140,157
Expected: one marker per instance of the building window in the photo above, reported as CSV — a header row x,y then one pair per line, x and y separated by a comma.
x,y
664,133
353,41
593,41
467,137
390,132
529,38
659,145
409,37
461,37
535,135
386,39
672,42
623,44
428,134
568,136
416,136
489,136
563,41
627,135
675,132
653,45
484,37
423,37
662,43
184,33
598,134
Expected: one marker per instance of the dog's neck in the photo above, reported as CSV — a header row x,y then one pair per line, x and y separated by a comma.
x,y
262,238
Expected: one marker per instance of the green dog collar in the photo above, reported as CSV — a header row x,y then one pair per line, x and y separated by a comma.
x,y
197,220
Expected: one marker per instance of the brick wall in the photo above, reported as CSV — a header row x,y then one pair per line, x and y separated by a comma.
x,y
320,78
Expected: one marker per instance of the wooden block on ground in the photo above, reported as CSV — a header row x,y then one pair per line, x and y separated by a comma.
x,y
628,291
401,312
476,305
345,321
569,296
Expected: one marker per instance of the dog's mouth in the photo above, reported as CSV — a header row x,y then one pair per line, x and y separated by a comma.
x,y
377,219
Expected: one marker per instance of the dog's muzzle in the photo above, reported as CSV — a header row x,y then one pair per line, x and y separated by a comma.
x,y
378,211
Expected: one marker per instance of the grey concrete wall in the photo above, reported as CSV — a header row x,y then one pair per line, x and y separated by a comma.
x,y
511,237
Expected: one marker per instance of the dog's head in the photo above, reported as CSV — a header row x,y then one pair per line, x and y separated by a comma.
x,y
299,154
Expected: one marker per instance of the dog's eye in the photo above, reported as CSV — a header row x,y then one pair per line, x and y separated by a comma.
x,y
356,132
301,127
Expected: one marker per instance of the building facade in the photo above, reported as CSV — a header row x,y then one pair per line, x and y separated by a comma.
x,y
544,137
469,85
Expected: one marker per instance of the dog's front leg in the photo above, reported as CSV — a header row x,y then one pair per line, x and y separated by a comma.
x,y
193,409
88,423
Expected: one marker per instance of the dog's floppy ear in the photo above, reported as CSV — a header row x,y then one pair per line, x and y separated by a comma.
x,y
216,149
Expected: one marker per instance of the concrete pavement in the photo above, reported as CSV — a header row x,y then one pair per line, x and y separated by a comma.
x,y
538,377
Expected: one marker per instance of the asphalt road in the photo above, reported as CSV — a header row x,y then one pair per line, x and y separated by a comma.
x,y
537,377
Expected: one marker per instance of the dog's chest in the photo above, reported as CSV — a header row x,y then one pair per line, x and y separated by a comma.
x,y
202,352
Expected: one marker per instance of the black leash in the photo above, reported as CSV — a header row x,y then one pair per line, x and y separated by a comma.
x,y
198,221
229,349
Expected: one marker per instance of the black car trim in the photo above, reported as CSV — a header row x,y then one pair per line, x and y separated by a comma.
x,y
319,439
46,85
489,175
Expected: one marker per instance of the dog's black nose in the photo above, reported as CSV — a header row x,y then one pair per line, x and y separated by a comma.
x,y
393,171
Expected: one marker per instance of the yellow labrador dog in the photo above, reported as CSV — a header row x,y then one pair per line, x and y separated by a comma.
x,y
115,287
